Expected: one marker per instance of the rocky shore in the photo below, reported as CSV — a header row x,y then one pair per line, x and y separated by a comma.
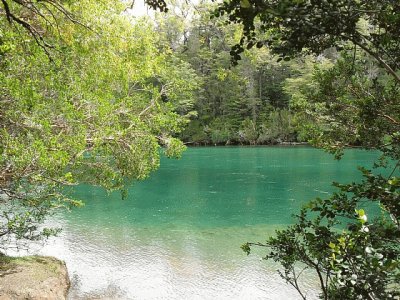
x,y
33,277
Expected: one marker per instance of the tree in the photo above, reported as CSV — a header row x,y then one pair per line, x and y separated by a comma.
x,y
95,115
351,240
293,25
36,17
226,96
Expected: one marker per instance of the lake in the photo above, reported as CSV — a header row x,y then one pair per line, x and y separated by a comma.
x,y
178,234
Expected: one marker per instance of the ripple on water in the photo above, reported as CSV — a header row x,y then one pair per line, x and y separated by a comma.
x,y
177,264
178,235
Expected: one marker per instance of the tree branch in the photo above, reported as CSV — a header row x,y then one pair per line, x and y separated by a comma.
x,y
374,55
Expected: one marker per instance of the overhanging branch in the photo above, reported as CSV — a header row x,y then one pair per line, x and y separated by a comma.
x,y
376,56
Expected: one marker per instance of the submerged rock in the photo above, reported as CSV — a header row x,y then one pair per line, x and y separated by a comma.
x,y
33,277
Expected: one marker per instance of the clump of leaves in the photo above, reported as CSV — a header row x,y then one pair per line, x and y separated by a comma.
x,y
354,254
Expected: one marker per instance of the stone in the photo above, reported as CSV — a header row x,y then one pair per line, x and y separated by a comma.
x,y
33,278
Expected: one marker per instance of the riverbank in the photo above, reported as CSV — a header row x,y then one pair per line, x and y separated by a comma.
x,y
229,144
33,277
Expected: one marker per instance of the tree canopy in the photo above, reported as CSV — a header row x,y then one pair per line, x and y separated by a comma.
x,y
291,26
95,114
52,13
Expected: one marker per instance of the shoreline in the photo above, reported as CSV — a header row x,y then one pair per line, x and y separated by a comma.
x,y
33,277
194,145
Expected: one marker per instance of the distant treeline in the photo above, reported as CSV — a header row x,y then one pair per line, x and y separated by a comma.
x,y
250,103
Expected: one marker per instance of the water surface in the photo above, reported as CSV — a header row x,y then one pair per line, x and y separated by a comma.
x,y
178,234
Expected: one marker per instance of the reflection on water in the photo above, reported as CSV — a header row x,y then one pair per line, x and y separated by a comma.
x,y
178,235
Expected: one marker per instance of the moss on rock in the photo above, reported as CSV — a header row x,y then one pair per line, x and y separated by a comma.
x,y
33,277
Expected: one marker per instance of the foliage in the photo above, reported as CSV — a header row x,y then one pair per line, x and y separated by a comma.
x,y
353,101
354,253
97,114
279,127
37,17
219,132
315,26
248,131
225,95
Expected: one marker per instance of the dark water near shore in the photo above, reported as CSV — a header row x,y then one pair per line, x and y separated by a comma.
x,y
178,234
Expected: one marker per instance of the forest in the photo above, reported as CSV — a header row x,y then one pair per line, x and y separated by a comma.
x,y
93,93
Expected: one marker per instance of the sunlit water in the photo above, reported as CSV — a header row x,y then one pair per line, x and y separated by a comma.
x,y
178,234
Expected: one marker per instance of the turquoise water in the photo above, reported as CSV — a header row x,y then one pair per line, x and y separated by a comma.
x,y
178,234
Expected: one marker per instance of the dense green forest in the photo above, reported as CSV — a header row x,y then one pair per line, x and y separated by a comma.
x,y
90,93
246,104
